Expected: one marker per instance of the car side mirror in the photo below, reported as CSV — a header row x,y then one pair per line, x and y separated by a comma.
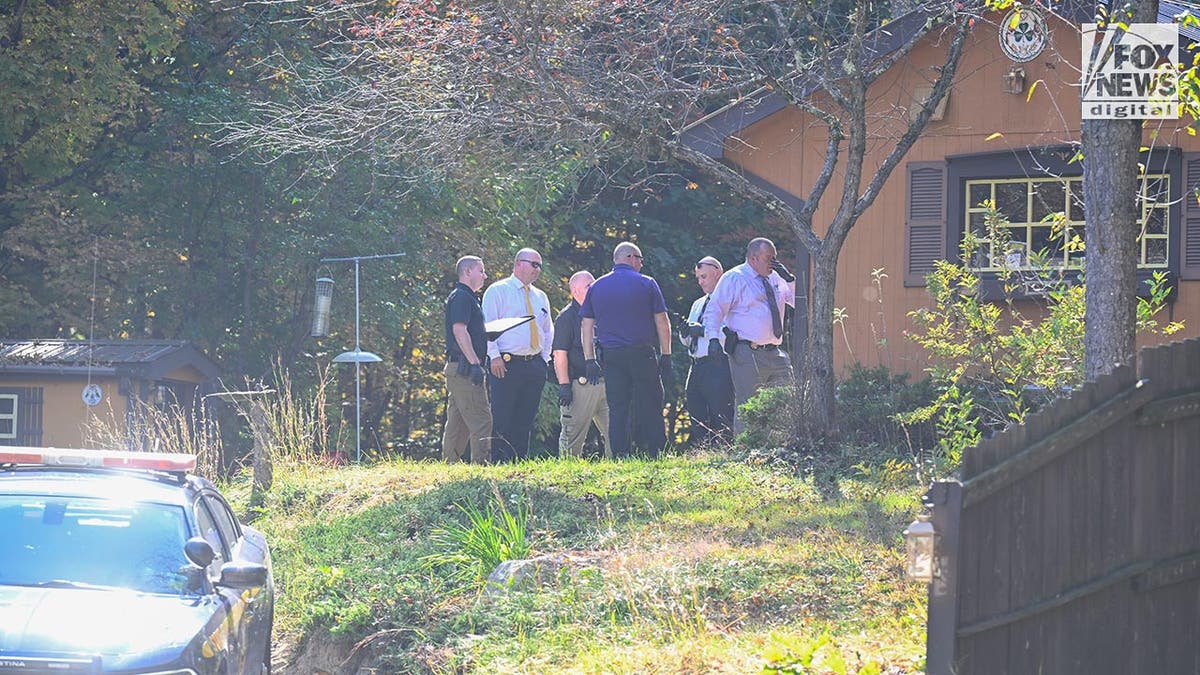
x,y
243,575
199,552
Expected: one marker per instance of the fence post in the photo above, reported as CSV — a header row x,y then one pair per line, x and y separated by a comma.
x,y
944,498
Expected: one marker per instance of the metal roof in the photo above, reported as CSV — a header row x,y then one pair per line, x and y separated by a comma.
x,y
151,357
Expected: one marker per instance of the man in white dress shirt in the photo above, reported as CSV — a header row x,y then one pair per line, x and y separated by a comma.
x,y
519,356
709,389
749,301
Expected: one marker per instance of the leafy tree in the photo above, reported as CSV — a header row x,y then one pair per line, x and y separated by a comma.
x,y
464,84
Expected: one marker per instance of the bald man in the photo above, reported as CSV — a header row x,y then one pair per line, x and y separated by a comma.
x,y
518,357
626,313
581,402
709,386
750,301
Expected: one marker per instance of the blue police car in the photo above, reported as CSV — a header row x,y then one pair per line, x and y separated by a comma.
x,y
124,562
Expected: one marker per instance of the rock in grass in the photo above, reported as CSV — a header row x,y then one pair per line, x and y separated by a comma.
x,y
530,573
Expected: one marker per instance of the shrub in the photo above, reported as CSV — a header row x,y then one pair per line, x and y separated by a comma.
x,y
995,361
869,400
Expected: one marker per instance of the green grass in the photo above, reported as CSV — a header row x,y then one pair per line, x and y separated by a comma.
x,y
686,565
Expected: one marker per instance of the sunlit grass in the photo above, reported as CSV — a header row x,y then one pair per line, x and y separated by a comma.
x,y
691,565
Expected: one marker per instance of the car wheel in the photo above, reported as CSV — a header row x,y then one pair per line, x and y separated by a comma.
x,y
266,662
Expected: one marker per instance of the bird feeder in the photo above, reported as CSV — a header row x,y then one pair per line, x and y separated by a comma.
x,y
321,303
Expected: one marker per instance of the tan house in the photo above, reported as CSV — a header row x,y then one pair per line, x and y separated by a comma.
x,y
53,391
1005,133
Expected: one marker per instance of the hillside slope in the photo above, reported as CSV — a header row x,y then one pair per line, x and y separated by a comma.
x,y
683,565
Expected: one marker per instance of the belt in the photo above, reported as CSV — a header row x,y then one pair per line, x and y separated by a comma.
x,y
758,347
520,357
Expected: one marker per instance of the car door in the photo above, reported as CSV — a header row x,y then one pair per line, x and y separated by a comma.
x,y
250,609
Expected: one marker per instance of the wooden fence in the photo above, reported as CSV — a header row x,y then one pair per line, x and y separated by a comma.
x,y
1072,543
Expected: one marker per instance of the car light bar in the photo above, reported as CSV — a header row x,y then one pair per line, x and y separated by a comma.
x,y
116,459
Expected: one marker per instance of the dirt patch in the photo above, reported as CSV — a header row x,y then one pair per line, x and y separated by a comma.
x,y
319,654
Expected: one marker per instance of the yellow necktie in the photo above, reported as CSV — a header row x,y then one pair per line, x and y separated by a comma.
x,y
533,329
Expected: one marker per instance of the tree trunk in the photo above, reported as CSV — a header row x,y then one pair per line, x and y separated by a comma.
x,y
818,372
1110,187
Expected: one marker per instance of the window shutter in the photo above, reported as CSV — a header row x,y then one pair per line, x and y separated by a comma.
x,y
1189,245
29,416
925,221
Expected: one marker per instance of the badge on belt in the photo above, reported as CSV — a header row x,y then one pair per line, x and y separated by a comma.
x,y
582,380
506,357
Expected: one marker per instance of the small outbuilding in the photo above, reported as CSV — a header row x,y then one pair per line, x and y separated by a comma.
x,y
52,392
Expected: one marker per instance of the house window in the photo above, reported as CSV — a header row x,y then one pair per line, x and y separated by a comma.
x,y
1042,222
1029,187
8,415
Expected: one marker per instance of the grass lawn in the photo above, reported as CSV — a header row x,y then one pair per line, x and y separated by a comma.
x,y
695,564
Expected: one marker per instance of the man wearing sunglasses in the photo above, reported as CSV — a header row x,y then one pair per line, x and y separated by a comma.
x,y
519,356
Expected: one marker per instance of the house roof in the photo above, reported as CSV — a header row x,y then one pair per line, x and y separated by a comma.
x,y
707,134
145,358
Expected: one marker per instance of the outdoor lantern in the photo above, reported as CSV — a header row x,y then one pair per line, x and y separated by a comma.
x,y
1014,80
321,303
920,540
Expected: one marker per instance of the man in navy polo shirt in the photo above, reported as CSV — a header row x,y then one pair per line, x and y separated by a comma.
x,y
624,310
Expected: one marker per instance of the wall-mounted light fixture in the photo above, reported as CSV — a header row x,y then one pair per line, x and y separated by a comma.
x,y
1014,80
920,542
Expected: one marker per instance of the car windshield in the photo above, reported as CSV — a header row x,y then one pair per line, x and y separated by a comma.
x,y
58,541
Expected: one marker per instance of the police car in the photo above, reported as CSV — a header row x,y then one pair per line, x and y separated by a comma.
x,y
124,562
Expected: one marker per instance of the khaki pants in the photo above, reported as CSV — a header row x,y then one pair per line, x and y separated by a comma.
x,y
589,405
754,369
468,419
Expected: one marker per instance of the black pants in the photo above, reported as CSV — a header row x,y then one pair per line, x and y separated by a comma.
x,y
709,398
635,401
515,398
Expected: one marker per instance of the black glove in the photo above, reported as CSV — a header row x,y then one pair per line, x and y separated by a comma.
x,y
565,395
665,372
694,330
476,374
714,348
594,371
782,270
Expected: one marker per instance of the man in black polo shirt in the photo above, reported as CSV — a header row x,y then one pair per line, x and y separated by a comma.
x,y
468,414
580,402
626,313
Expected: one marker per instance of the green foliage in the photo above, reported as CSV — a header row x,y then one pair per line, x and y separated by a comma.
x,y
804,656
470,551
994,361
770,418
869,400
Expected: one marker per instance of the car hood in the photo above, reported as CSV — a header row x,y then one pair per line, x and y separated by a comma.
x,y
114,624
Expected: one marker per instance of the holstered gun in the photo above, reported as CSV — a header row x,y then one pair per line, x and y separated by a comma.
x,y
731,339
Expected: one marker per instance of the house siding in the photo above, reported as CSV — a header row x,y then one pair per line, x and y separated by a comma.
x,y
787,148
64,415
